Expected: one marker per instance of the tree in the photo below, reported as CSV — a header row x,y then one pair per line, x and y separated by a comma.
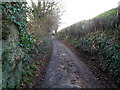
x,y
44,18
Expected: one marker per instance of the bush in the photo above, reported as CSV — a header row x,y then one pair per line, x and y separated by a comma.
x,y
102,42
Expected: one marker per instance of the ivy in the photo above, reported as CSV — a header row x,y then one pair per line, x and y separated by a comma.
x,y
101,43
16,13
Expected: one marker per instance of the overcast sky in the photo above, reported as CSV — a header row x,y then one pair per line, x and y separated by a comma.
x,y
77,10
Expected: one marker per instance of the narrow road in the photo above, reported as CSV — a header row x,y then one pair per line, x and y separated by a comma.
x,y
66,70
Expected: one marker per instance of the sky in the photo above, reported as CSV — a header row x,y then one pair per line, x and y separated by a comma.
x,y
77,10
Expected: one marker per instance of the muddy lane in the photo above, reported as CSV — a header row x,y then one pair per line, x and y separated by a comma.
x,y
66,70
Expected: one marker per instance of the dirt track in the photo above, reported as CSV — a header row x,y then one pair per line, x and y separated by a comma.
x,y
66,70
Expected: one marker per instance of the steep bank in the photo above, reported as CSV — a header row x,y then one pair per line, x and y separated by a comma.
x,y
22,53
99,39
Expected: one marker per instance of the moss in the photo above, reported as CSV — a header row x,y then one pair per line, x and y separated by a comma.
x,y
5,30
6,55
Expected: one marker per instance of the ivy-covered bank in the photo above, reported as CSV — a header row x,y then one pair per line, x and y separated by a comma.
x,y
17,44
98,38
40,54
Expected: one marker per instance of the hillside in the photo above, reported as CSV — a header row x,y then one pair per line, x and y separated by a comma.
x,y
99,39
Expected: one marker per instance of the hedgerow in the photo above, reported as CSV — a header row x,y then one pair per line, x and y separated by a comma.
x,y
98,39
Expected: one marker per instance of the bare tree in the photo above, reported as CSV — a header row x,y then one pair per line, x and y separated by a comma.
x,y
44,18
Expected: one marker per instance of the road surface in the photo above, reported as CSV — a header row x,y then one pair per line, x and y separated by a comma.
x,y
66,70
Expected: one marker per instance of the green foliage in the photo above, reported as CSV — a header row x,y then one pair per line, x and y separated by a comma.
x,y
39,63
102,42
16,13
108,13
5,31
33,67
39,51
104,48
